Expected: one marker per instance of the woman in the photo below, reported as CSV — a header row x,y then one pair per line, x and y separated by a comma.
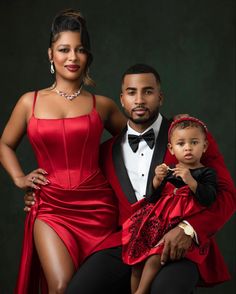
x,y
75,211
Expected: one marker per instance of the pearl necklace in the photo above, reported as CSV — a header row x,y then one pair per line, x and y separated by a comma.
x,y
69,96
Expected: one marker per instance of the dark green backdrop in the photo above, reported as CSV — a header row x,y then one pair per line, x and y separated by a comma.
x,y
192,45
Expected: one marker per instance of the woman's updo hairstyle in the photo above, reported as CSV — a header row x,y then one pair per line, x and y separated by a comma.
x,y
72,20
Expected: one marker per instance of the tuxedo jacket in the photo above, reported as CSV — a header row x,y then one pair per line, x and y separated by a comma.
x,y
205,223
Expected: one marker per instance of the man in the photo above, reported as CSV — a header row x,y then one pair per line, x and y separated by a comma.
x,y
130,168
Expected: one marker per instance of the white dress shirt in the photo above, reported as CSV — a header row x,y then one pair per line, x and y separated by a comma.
x,y
138,163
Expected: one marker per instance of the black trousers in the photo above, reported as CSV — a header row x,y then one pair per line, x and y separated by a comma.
x,y
105,273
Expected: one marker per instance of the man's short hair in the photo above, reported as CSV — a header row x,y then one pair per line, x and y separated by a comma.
x,y
140,68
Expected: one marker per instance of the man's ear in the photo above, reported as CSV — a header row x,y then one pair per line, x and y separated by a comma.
x,y
161,96
121,99
169,146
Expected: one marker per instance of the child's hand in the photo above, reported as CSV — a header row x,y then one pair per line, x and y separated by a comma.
x,y
184,173
160,173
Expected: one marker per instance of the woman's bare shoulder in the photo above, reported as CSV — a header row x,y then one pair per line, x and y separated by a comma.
x,y
105,101
26,100
28,97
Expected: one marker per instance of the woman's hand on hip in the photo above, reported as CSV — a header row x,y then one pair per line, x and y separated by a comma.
x,y
33,180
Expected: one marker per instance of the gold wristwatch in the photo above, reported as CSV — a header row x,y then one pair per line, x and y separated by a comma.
x,y
188,230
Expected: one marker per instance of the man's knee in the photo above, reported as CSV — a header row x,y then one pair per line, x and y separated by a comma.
x,y
178,277
103,272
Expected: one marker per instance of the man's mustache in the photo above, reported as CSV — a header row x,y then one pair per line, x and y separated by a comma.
x,y
140,108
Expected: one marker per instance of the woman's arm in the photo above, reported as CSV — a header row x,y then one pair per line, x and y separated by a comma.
x,y
114,119
11,137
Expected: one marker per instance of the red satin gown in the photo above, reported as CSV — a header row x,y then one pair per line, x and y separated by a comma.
x,y
78,203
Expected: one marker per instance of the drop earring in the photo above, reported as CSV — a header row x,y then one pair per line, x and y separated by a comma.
x,y
52,70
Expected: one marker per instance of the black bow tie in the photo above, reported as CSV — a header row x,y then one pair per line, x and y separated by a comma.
x,y
134,140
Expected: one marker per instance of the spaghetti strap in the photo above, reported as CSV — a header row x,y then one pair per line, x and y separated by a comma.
x,y
94,101
35,98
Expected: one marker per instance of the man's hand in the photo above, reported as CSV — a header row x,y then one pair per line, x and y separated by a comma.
x,y
29,199
176,244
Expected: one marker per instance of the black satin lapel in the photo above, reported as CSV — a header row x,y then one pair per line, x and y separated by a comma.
x,y
159,153
121,171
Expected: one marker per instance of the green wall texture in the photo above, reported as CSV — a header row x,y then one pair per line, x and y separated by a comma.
x,y
190,42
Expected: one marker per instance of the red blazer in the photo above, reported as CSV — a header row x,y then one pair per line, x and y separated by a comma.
x,y
212,269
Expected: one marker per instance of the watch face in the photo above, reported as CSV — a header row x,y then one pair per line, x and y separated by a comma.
x,y
188,231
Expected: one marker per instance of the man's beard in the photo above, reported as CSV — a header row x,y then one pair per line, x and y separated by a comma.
x,y
142,120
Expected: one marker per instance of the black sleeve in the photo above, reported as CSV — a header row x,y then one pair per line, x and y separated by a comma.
x,y
207,188
156,194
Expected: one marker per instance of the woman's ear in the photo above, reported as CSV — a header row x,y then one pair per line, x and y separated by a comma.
x,y
49,54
